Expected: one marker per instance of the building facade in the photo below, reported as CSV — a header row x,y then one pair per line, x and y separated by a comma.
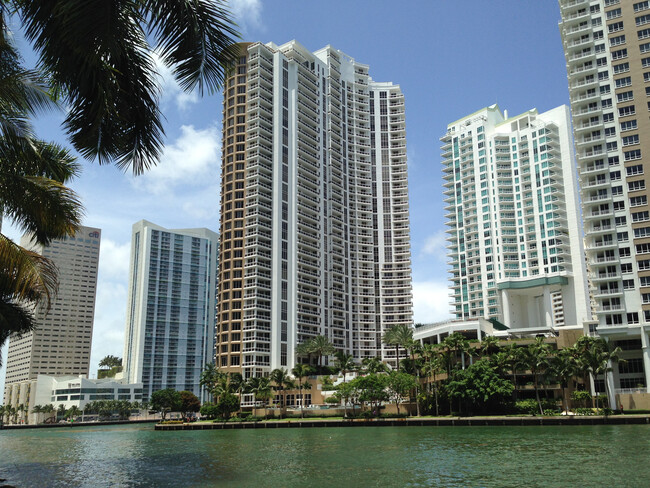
x,y
314,208
170,316
607,50
69,391
61,342
514,231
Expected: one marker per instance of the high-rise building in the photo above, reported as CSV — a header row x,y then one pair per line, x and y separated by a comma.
x,y
314,208
607,49
170,307
515,236
61,342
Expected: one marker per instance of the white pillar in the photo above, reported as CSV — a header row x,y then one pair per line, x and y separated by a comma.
x,y
611,378
645,351
548,308
505,307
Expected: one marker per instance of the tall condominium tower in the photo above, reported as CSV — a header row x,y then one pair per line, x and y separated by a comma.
x,y
607,48
515,238
60,344
314,208
171,307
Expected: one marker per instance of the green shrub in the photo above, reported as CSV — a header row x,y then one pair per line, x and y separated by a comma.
x,y
583,411
393,415
530,407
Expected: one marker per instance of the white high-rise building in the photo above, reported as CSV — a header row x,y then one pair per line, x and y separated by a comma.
x,y
314,208
171,307
61,342
607,50
515,235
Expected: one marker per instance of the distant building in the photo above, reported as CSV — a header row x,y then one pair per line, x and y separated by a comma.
x,y
171,307
314,209
514,229
61,342
68,391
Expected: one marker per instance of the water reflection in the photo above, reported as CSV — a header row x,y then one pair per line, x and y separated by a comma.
x,y
409,456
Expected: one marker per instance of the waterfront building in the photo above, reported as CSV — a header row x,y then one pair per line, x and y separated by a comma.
x,y
314,236
69,391
170,315
607,50
61,342
514,229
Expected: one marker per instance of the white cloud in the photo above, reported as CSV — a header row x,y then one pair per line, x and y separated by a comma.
x,y
110,317
114,259
193,159
431,302
435,245
247,13
171,91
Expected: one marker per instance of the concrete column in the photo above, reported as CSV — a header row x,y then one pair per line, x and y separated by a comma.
x,y
645,351
612,381
548,308
505,307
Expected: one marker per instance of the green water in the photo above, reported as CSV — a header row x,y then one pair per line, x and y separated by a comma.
x,y
121,456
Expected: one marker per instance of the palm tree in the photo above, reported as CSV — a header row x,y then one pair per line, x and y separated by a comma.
x,y
595,355
106,74
73,412
537,359
305,349
321,346
301,371
260,387
21,411
61,411
373,365
490,345
432,365
563,367
282,380
398,335
345,363
209,378
38,410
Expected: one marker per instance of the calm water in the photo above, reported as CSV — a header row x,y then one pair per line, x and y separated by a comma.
x,y
114,456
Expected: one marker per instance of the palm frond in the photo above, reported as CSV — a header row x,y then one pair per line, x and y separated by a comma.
x,y
32,195
195,38
25,275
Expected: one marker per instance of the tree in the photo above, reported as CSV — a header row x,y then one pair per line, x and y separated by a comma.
x,y
209,378
373,365
563,367
399,384
348,393
99,60
345,363
398,335
372,388
301,371
164,401
433,364
227,404
536,358
110,361
282,380
189,403
37,410
96,59
480,386
72,413
261,389
61,411
321,346
594,357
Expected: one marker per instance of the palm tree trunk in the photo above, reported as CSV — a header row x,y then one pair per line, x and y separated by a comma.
x,y
539,401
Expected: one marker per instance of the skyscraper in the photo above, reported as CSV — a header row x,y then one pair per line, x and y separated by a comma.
x,y
170,308
61,342
515,237
314,208
607,48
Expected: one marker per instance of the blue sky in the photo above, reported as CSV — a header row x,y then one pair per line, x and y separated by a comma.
x,y
450,58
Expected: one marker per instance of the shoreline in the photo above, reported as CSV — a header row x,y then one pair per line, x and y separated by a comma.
x,y
76,424
416,422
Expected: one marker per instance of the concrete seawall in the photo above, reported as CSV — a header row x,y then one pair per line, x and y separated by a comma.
x,y
437,422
